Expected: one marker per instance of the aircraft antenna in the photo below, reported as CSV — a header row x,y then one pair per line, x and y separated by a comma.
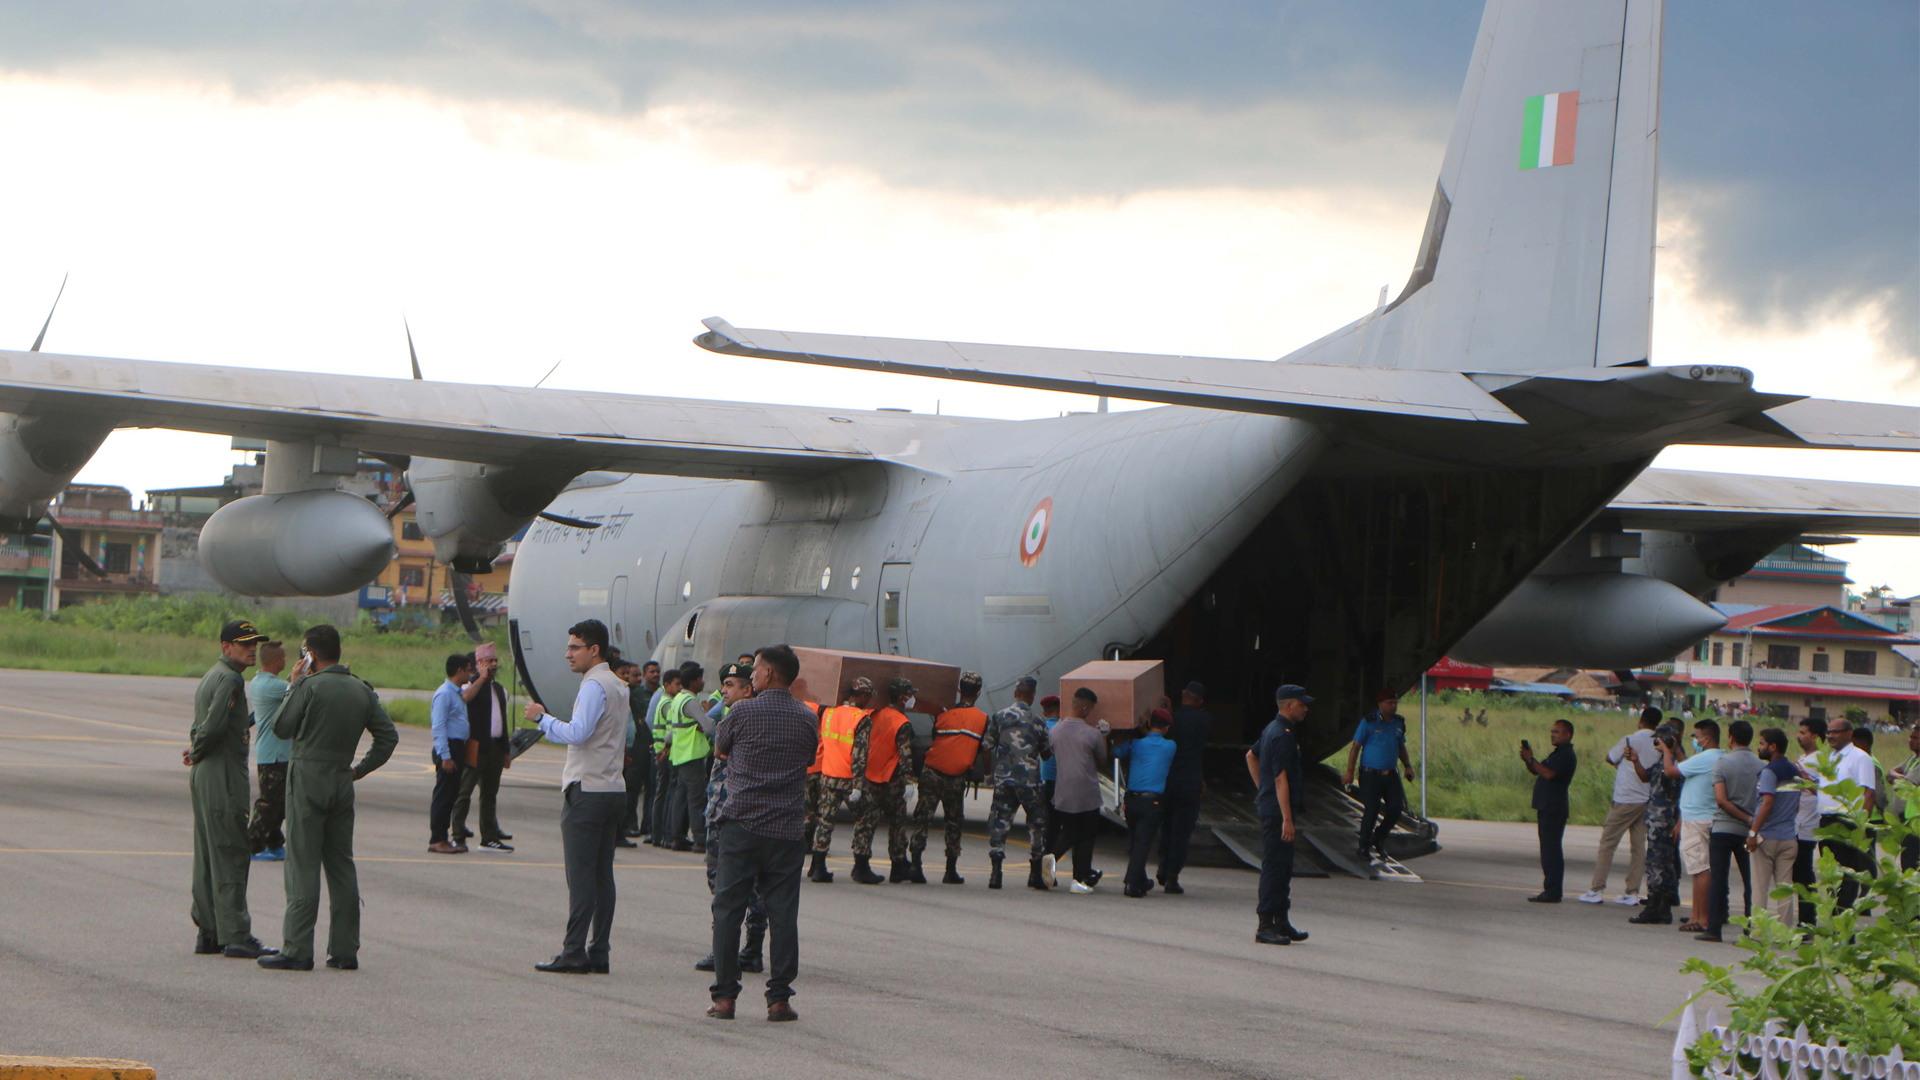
x,y
50,311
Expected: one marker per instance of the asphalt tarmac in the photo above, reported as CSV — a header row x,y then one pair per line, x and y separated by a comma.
x,y
1455,977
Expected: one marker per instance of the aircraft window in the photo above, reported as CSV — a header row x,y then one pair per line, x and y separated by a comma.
x,y
854,581
826,578
890,611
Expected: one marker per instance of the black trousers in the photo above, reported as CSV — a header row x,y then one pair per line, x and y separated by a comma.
x,y
657,798
1077,834
1179,813
1143,818
1553,862
687,805
639,774
446,789
1848,856
1276,869
1724,849
1381,798
750,862
589,824
1803,873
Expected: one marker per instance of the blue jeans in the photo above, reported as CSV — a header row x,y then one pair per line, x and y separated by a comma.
x,y
1276,869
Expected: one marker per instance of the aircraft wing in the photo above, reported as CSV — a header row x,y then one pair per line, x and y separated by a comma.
x,y
1209,382
1685,501
462,422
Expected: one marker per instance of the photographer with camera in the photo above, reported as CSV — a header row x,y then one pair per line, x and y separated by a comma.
x,y
1551,780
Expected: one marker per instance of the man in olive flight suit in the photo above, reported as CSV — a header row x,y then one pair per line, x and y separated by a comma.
x,y
217,755
327,710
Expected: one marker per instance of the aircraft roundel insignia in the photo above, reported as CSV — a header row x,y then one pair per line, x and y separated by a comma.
x,y
1033,536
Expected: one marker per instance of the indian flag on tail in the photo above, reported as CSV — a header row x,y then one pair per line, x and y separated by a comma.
x,y
1546,137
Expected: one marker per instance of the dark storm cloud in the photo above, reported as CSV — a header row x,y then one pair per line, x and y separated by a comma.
x,y
1791,131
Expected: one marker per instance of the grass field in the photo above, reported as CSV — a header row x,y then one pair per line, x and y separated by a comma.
x,y
174,636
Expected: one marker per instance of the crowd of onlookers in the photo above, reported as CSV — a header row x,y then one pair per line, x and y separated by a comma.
x,y
1727,798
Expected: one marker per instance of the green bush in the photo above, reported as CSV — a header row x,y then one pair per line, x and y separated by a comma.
x,y
1849,976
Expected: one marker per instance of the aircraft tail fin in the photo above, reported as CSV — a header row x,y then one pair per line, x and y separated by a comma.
x,y
1538,249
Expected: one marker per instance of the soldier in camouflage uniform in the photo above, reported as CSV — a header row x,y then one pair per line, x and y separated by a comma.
x,y
736,684
217,785
836,756
957,735
886,799
1017,738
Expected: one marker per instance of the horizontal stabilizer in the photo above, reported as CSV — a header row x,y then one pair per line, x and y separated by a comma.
x,y
1257,386
1684,500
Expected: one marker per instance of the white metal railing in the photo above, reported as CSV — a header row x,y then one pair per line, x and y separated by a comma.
x,y
1782,1057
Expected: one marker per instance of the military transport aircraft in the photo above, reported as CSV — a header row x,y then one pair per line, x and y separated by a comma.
x,y
1456,468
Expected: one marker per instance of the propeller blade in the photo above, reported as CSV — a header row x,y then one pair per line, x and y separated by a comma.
x,y
457,585
77,545
411,355
406,500
571,523
50,311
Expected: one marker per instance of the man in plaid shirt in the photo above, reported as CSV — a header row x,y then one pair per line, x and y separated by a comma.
x,y
769,740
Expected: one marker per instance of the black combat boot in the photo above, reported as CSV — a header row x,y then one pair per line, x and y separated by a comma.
x,y
993,880
705,964
1035,879
1656,913
900,870
863,873
750,955
914,873
1285,925
818,873
953,872
1270,932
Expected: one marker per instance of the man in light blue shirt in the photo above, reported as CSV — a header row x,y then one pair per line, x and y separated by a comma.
x,y
1696,815
266,693
448,718
1149,759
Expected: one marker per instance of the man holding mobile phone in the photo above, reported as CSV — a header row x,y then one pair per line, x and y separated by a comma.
x,y
1551,780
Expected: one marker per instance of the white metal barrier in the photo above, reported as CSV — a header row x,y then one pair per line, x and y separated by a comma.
x,y
1782,1057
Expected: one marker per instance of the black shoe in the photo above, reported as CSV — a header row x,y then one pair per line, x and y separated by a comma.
x,y
1287,928
914,873
285,963
348,963
898,871
953,872
750,950
1133,893
1093,877
599,967
1173,888
250,949
1036,880
561,965
1160,878
752,964
704,964
818,872
1270,932
500,848
1715,938
1653,915
619,841
1544,898
863,872
994,879
631,834
683,845
206,946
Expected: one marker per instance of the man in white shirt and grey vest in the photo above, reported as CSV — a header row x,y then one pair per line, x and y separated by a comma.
x,y
594,787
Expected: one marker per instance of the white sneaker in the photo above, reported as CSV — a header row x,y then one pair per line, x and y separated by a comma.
x,y
1627,899
1046,871
1592,897
1081,887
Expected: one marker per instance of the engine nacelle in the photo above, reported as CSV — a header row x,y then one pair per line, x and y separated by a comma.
x,y
470,511
303,543
1611,621
39,456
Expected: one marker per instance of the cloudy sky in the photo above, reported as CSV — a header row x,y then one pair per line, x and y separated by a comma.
x,y
272,185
